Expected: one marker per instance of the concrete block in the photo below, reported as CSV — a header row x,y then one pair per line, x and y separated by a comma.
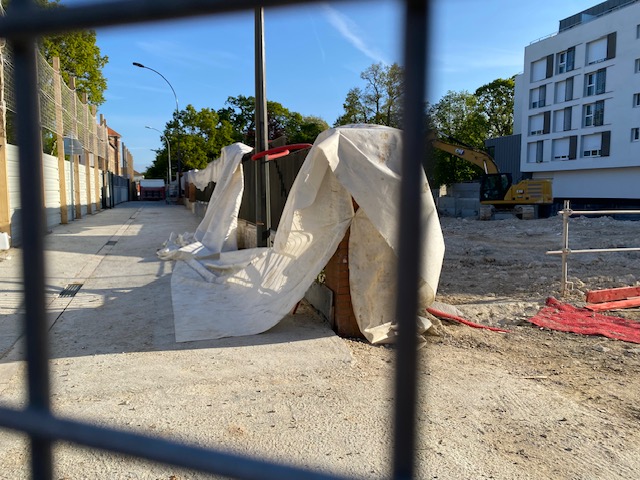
x,y
467,207
464,190
447,206
321,298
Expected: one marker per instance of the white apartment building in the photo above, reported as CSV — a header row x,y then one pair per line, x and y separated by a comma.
x,y
577,105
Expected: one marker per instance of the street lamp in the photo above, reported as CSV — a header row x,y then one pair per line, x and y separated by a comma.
x,y
139,65
168,153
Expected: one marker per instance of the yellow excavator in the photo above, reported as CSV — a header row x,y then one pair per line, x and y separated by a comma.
x,y
497,191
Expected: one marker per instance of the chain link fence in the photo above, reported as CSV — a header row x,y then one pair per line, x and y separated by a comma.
x,y
77,121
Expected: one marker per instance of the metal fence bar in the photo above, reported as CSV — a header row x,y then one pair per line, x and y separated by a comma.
x,y
415,53
25,24
46,426
33,232
567,213
38,22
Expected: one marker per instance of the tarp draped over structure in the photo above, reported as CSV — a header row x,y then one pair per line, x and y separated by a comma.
x,y
218,291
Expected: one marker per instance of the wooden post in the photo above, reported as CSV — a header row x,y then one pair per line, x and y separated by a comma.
x,y
96,156
5,205
57,91
86,151
76,158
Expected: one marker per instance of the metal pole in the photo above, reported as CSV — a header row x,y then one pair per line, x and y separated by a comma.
x,y
33,232
261,166
566,213
605,212
409,247
139,65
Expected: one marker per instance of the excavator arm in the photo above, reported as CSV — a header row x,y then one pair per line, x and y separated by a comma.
x,y
477,157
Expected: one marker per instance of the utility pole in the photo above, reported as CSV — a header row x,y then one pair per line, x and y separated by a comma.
x,y
261,166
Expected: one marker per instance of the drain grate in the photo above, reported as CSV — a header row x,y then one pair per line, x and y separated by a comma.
x,y
71,290
111,242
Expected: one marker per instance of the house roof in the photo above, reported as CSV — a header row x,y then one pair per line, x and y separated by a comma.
x,y
112,132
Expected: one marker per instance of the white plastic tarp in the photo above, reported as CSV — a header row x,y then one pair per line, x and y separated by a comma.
x,y
218,292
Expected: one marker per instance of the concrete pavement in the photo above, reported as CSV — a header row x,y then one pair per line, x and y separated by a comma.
x,y
114,361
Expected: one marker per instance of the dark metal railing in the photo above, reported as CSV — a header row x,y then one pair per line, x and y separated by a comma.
x,y
21,28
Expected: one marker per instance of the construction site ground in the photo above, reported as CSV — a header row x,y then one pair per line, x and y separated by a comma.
x,y
529,404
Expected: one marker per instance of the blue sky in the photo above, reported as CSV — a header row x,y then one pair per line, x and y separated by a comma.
x,y
314,55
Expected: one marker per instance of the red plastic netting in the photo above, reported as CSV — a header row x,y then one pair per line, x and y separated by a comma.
x,y
567,318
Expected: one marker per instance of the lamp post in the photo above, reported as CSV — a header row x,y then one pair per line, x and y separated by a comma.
x,y
139,65
168,154
261,168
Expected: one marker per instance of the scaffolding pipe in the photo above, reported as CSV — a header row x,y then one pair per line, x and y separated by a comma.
x,y
566,213
605,212
596,250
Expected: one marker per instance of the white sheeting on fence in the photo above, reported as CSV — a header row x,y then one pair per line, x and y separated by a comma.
x,y
218,293
217,231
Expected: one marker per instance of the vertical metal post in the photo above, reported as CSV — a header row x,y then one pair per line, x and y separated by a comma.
x,y
33,232
566,213
415,53
261,166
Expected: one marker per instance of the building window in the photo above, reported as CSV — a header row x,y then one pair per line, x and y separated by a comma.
x,y
593,114
568,92
562,62
536,124
565,60
636,68
589,84
597,51
595,82
601,49
535,152
564,90
635,134
541,69
637,31
591,145
562,120
588,114
539,151
561,149
538,97
567,119
596,145
636,99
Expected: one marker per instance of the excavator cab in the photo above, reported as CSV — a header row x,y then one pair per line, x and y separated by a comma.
x,y
494,186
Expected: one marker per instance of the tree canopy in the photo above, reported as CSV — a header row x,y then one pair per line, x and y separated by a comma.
x,y
197,137
379,101
470,117
79,56
297,128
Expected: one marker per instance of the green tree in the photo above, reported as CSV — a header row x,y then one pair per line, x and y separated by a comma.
x,y
240,112
354,109
380,101
457,115
196,137
309,128
79,57
394,89
495,100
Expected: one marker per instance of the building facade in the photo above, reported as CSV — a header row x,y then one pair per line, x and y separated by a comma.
x,y
577,105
